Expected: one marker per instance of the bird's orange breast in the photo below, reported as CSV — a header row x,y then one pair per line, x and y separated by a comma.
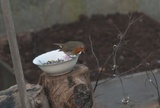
x,y
77,50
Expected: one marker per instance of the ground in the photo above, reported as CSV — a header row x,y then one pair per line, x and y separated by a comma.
x,y
141,46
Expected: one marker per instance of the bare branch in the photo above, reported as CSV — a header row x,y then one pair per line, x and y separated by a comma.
x,y
97,80
97,61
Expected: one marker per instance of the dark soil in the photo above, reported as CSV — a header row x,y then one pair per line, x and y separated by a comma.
x,y
141,45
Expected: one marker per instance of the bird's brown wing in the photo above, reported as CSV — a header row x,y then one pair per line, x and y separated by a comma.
x,y
69,46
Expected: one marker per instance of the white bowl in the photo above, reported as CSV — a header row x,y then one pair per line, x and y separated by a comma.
x,y
54,68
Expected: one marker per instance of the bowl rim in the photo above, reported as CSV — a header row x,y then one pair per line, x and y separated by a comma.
x,y
42,65
52,64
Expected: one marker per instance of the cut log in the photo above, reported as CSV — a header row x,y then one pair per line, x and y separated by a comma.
x,y
71,90
9,98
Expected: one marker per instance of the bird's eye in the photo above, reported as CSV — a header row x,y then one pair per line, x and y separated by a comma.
x,y
82,47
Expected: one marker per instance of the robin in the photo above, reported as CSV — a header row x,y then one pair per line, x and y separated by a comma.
x,y
72,47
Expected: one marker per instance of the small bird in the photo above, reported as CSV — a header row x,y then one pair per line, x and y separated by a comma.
x,y
72,47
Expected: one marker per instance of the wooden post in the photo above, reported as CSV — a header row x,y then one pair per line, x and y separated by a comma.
x,y
9,25
72,90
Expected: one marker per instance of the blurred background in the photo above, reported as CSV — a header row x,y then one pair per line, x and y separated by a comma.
x,y
40,23
30,15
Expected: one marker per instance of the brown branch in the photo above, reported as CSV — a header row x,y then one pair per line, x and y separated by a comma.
x,y
11,34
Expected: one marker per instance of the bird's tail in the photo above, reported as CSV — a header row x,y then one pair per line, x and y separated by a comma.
x,y
59,44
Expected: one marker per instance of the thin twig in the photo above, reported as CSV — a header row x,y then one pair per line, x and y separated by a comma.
x,y
121,36
97,61
154,84
99,71
97,80
143,61
114,53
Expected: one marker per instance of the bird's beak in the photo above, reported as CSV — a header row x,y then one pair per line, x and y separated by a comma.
x,y
83,51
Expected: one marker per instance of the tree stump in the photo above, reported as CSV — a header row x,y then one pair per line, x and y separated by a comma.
x,y
71,90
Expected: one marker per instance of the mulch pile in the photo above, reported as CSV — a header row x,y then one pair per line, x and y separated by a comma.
x,y
141,45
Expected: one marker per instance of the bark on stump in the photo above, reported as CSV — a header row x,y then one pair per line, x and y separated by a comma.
x,y
9,98
71,90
